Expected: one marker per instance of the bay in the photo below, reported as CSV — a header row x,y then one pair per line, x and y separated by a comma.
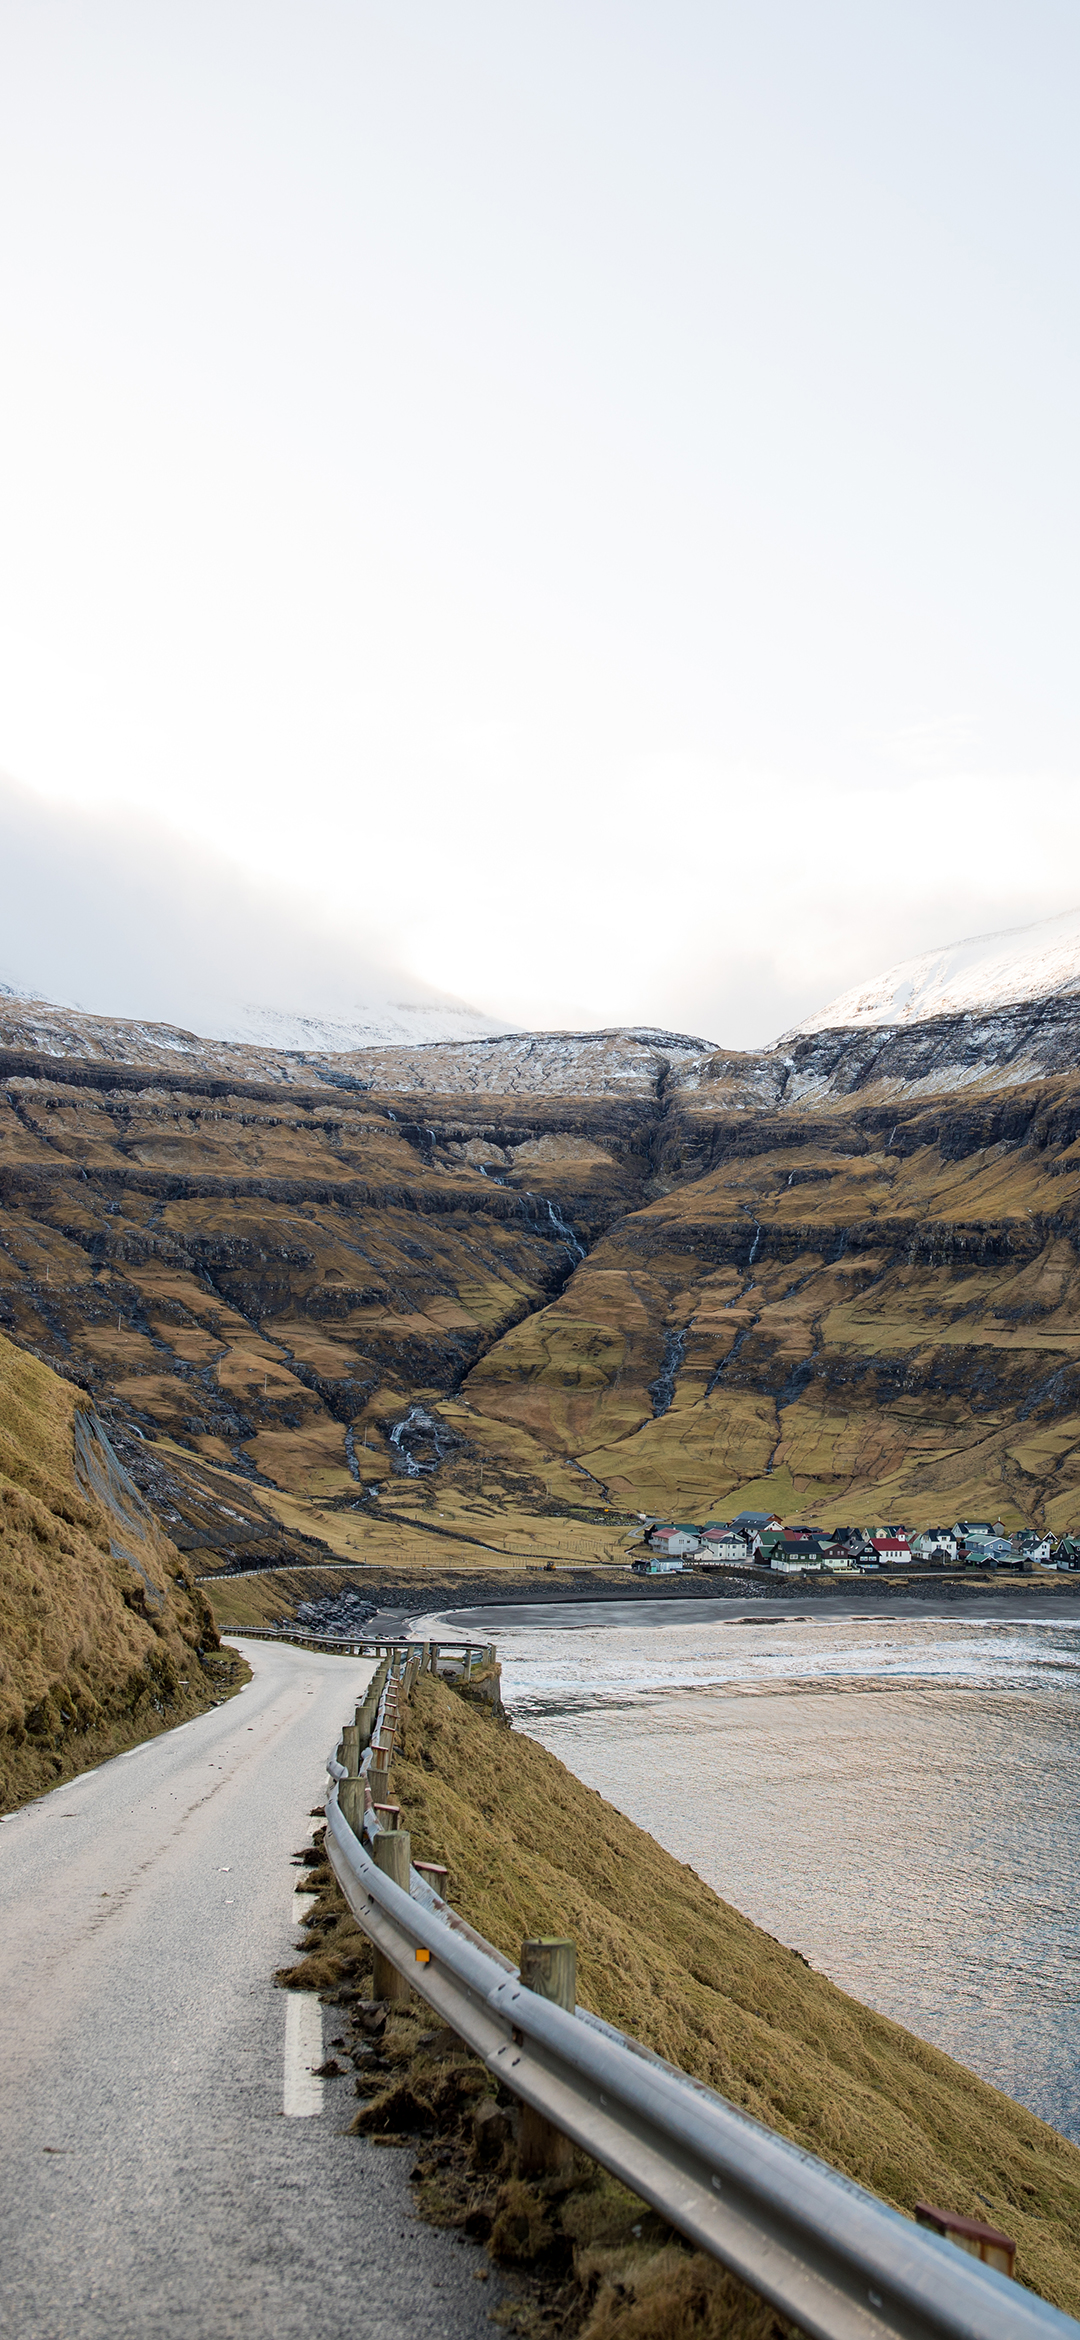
x,y
895,1796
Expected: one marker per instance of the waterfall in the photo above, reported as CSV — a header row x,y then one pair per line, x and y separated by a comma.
x,y
662,1390
565,1232
418,1423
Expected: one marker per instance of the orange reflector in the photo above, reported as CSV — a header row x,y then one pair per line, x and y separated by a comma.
x,y
423,1958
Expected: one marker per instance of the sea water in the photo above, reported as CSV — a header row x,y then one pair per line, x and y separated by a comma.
x,y
896,1797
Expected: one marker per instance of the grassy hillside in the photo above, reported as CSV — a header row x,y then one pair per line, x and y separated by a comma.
x,y
842,1319
531,1851
853,1308
100,1627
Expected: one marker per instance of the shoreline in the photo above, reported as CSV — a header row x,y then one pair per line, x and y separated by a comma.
x,y
488,1606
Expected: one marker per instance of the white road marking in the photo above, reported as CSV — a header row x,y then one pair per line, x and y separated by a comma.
x,y
303,2054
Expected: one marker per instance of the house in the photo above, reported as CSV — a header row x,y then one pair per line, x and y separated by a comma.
x,y
655,1565
836,1555
853,1542
891,1551
966,1530
935,1547
723,1545
756,1519
1033,1546
792,1557
674,1543
993,1552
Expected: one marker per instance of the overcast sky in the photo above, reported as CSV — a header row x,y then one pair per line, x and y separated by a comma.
x,y
585,494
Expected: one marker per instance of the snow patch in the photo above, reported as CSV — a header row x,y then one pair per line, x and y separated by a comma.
x,y
1041,961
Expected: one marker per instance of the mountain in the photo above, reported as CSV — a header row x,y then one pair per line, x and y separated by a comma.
x,y
514,1279
288,1032
987,971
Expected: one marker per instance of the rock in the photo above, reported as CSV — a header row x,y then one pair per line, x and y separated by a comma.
x,y
491,2133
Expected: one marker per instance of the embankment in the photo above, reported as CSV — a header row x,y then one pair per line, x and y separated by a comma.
x,y
531,1851
104,1639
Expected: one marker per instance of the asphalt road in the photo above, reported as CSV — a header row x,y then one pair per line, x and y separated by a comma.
x,y
169,2169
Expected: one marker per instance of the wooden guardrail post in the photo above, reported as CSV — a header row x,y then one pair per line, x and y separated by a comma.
x,y
548,1967
350,1749
351,1804
435,1875
393,1850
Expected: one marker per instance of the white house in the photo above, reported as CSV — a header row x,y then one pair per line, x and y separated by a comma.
x,y
673,1543
934,1544
892,1551
724,1545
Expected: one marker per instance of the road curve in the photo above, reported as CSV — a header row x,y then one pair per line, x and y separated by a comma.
x,y
152,2181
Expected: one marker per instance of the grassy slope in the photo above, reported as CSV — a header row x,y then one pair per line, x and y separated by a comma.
x,y
532,1851
904,1342
95,1647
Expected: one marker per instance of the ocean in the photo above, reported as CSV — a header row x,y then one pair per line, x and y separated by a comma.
x,y
896,1796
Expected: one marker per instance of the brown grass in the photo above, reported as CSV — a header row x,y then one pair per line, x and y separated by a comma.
x,y
532,1851
97,1649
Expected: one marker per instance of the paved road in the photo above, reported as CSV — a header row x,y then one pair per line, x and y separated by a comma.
x,y
153,2185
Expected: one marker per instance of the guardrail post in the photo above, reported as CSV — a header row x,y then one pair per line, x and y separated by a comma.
x,y
393,1849
433,1874
351,1804
378,1777
350,1749
548,1967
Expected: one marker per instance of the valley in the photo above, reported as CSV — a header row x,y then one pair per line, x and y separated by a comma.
x,y
412,1310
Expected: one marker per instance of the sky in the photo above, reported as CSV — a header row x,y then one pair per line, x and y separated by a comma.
x,y
576,504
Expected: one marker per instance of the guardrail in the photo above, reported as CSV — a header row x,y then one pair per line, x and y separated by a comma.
x,y
836,2260
471,1653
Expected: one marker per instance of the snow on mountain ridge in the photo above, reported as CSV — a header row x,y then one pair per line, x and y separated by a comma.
x,y
373,1024
385,1024
982,973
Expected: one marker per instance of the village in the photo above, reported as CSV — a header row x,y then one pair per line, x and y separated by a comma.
x,y
758,1539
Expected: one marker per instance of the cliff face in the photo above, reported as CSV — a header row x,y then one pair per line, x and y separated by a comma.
x,y
846,1267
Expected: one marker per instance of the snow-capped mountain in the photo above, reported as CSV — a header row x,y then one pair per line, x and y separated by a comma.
x,y
378,1024
986,971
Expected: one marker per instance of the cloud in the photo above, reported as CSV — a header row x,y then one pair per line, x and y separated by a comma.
x,y
112,911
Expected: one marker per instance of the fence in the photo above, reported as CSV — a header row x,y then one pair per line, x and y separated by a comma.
x,y
841,2264
471,1654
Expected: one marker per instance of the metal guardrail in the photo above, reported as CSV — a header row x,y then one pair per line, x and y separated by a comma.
x,y
839,2262
354,1644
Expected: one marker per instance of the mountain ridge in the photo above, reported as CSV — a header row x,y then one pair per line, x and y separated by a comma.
x,y
1003,969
